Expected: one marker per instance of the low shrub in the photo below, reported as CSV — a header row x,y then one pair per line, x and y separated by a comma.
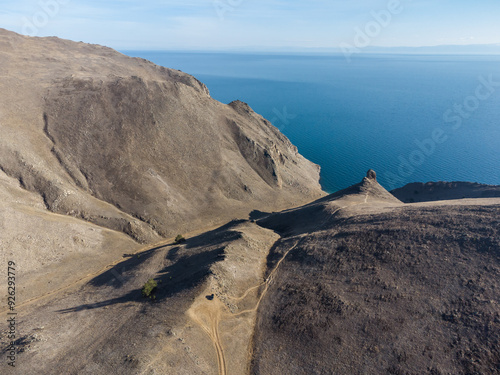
x,y
149,288
180,239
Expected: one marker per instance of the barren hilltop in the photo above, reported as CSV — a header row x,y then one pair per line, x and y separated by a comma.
x,y
100,151
105,158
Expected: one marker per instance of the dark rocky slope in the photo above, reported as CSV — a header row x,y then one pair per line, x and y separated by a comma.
x,y
353,283
406,290
436,191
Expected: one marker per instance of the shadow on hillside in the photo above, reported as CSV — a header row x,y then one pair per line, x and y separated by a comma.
x,y
190,265
216,236
115,275
256,215
187,272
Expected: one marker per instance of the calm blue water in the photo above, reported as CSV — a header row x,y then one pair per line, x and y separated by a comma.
x,y
370,113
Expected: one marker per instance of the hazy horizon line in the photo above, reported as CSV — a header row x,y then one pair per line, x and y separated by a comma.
x,y
445,49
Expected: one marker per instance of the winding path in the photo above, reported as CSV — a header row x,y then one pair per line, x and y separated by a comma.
x,y
92,275
209,315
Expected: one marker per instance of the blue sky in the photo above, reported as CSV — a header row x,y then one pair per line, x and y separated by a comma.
x,y
255,24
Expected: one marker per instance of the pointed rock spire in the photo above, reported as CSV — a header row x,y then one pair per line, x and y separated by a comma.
x,y
371,174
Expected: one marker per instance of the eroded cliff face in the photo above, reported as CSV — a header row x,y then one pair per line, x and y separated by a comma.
x,y
101,152
136,147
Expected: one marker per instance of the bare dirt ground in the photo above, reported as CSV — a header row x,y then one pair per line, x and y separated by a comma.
x,y
102,324
134,147
357,282
384,289
100,152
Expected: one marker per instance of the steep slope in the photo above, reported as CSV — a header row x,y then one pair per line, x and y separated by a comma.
x,y
91,136
383,289
135,147
50,250
353,283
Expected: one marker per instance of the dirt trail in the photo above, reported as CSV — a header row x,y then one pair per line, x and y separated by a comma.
x,y
208,314
269,279
208,317
90,276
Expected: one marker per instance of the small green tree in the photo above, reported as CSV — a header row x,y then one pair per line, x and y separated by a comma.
x,y
149,288
180,239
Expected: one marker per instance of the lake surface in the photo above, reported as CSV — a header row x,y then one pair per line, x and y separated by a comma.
x,y
408,117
